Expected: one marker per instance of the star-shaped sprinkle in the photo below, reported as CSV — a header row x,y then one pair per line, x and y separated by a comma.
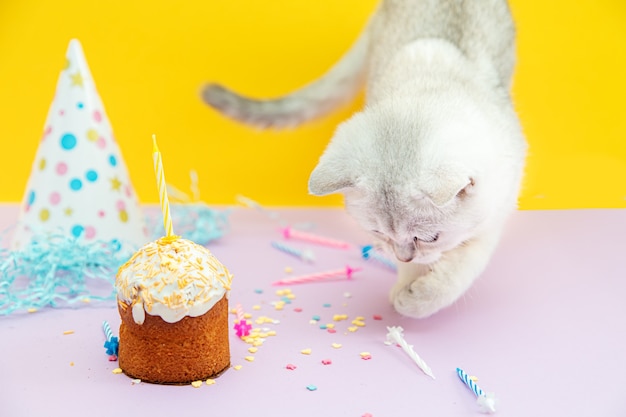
x,y
116,184
77,79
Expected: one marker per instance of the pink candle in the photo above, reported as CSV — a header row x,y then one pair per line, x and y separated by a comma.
x,y
290,233
320,276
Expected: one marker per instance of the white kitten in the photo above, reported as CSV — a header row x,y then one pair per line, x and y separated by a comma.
x,y
432,166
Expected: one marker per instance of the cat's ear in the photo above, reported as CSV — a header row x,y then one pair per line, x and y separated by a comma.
x,y
448,187
336,170
327,178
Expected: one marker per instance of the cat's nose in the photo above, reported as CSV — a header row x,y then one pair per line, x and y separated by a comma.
x,y
404,253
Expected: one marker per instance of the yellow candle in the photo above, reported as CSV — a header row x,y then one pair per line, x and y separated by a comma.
x,y
160,175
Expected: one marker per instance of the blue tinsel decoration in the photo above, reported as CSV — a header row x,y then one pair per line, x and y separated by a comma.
x,y
63,271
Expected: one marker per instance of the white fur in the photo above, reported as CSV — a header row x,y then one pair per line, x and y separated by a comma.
x,y
432,165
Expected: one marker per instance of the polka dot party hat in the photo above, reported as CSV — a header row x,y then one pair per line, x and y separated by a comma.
x,y
79,185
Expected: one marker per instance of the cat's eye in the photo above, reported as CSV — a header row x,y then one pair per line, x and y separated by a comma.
x,y
429,239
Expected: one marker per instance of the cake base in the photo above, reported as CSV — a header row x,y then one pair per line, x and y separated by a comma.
x,y
192,349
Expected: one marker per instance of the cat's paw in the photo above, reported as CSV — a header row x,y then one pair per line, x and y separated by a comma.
x,y
418,298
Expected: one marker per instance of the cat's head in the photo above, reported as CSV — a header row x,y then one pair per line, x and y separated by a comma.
x,y
424,177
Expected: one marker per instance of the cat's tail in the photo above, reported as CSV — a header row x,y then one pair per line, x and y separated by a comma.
x,y
337,86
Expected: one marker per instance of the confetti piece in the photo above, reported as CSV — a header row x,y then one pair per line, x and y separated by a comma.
x,y
395,334
32,310
320,276
340,317
336,345
237,367
135,381
331,331
377,317
112,358
253,350
256,307
327,305
68,332
326,362
366,356
117,371
196,384
249,358
316,318
486,401
290,366
297,310
306,351
311,387
258,291
352,329
210,381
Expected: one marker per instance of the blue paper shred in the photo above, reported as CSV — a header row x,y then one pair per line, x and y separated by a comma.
x,y
64,271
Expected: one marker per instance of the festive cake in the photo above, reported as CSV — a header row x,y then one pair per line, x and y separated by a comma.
x,y
173,303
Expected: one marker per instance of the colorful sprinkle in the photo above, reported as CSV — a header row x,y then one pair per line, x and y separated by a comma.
x,y
326,362
210,381
68,332
290,366
117,371
306,351
311,387
196,384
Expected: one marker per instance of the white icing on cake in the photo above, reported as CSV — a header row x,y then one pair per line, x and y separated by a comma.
x,y
171,278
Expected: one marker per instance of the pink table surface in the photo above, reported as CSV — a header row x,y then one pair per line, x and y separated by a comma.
x,y
544,328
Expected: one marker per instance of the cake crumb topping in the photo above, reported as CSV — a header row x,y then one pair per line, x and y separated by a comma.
x,y
171,278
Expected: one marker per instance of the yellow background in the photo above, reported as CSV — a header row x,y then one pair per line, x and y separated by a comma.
x,y
150,58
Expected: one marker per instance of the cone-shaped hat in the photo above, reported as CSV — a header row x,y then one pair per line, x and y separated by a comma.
x,y
79,184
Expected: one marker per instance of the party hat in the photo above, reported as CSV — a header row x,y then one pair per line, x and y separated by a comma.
x,y
79,185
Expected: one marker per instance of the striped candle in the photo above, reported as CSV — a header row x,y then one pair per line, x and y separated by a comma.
x,y
111,344
304,254
160,175
486,402
241,325
320,276
368,252
291,233
107,330
396,335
